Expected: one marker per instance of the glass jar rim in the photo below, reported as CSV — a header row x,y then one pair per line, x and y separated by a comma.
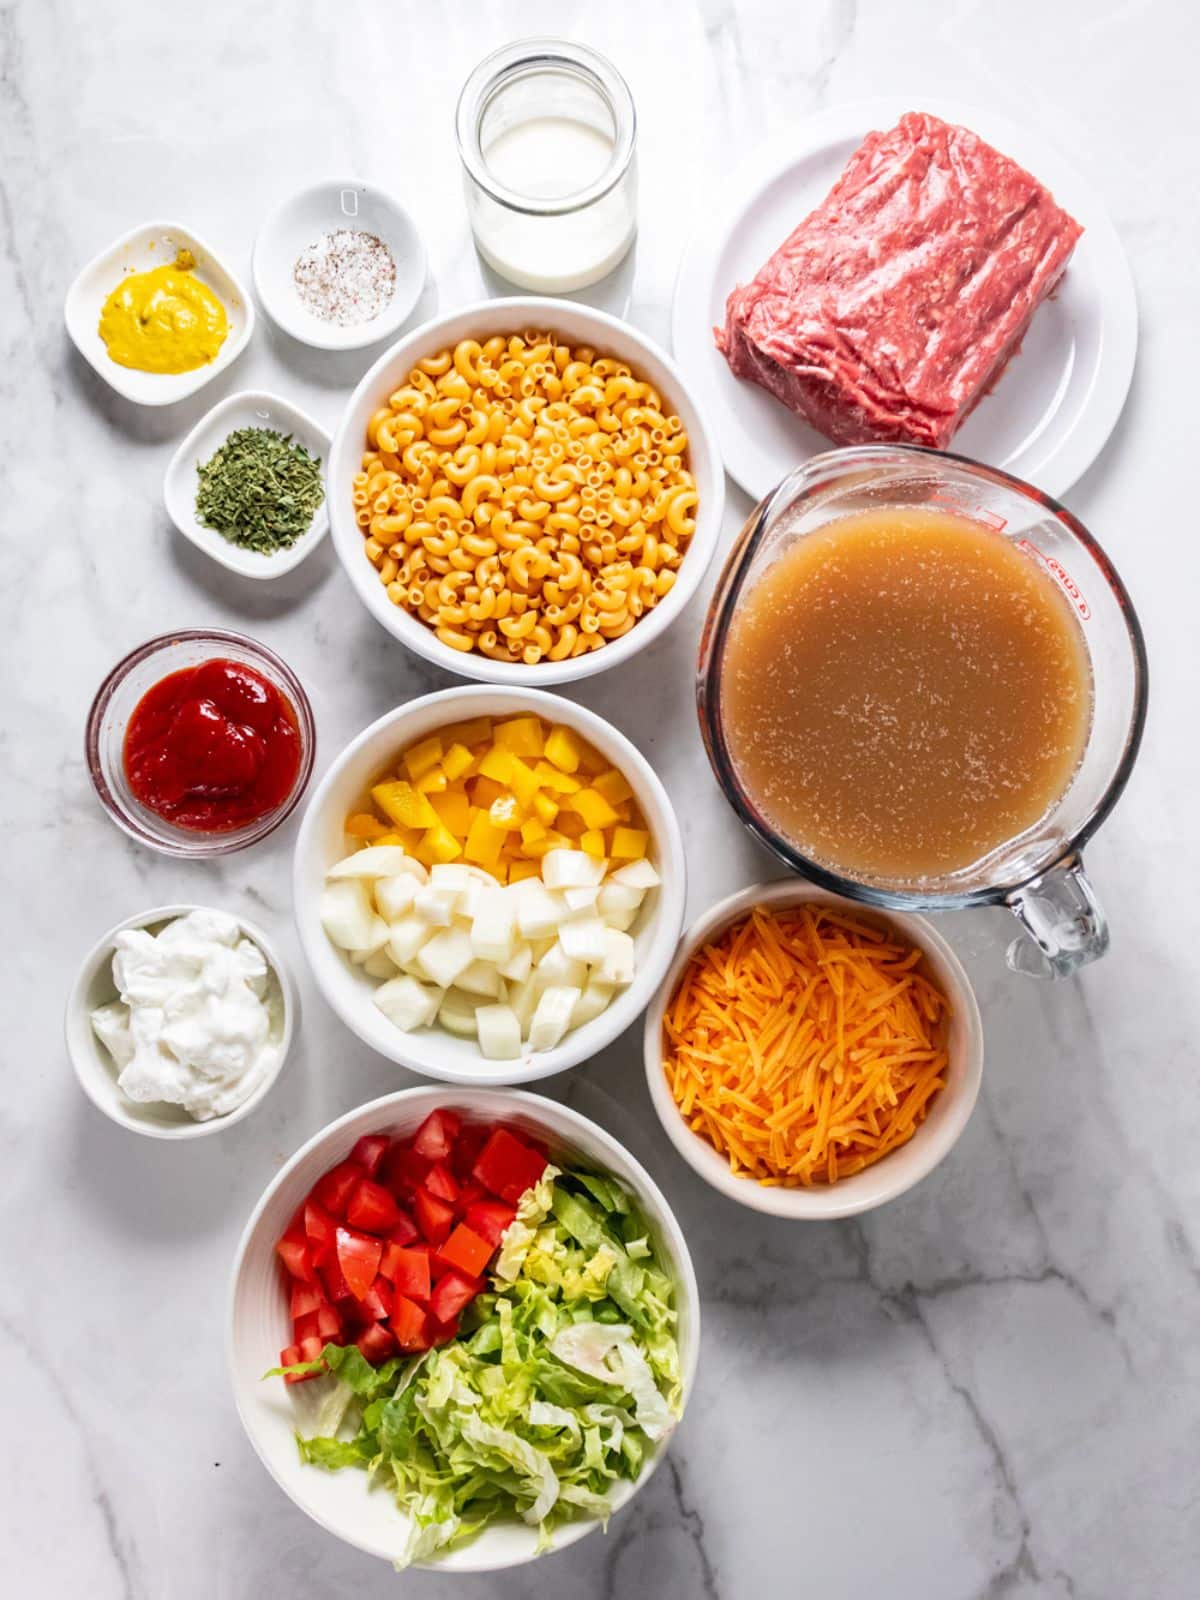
x,y
520,57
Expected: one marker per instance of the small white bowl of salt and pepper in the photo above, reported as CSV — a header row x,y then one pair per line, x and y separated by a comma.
x,y
340,265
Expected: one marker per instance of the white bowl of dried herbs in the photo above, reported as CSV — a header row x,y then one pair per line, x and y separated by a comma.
x,y
247,485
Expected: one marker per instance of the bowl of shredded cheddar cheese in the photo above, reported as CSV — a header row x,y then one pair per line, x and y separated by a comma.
x,y
809,1057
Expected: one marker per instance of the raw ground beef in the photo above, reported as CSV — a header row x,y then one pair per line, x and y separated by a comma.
x,y
898,302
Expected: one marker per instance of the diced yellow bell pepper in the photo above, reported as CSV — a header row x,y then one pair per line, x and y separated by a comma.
x,y
457,762
593,843
563,749
484,790
532,830
406,838
440,843
591,762
362,825
549,777
432,782
400,802
484,841
521,735
570,823
523,869
419,758
505,813
592,807
613,786
477,731
454,811
545,808
629,844
498,764
523,784
550,841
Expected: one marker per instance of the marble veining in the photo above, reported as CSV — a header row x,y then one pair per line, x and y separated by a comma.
x,y
991,1388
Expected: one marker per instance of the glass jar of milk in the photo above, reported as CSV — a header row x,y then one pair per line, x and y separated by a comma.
x,y
547,134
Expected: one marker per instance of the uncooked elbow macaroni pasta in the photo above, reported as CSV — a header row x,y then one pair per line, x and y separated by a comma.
x,y
525,499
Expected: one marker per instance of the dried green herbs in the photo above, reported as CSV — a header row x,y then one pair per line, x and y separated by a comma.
x,y
260,490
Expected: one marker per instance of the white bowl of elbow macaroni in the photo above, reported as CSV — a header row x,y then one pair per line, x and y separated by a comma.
x,y
458,524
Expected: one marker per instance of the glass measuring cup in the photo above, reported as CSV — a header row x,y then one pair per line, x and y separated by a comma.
x,y
1038,874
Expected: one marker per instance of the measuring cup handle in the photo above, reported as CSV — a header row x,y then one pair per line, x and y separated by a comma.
x,y
1062,918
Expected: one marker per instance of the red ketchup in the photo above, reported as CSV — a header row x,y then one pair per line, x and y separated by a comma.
x,y
212,747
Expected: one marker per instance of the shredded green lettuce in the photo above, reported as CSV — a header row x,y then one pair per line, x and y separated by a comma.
x,y
565,1373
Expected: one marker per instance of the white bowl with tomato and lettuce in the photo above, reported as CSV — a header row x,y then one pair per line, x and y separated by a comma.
x,y
463,1327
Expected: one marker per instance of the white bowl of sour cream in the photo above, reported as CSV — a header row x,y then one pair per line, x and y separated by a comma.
x,y
195,1019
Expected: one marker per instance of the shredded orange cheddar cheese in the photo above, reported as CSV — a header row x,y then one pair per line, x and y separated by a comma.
x,y
805,1044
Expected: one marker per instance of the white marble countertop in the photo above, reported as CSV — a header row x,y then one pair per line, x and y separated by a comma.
x,y
989,1388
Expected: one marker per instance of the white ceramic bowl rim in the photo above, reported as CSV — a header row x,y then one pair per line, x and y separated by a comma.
x,y
902,1168
410,272
423,1051
513,314
558,1123
95,1071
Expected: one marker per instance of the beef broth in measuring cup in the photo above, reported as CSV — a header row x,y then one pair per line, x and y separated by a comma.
x,y
923,685
904,691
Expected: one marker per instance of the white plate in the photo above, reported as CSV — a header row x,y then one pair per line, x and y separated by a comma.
x,y
303,220
154,244
1056,402
249,409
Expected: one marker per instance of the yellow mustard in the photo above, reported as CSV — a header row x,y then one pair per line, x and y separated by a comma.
x,y
164,320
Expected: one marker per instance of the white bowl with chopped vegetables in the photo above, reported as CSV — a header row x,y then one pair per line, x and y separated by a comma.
x,y
492,911
247,485
563,1379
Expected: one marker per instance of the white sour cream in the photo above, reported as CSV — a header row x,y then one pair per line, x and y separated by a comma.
x,y
194,1024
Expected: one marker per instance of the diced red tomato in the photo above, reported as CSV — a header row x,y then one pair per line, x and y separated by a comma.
x,y
436,1135
291,1358
507,1167
468,1194
370,1151
434,1217
440,1181
377,1302
466,1251
451,1294
403,1170
466,1151
404,1231
306,1327
293,1252
334,1281
391,1244
408,1325
376,1343
408,1271
372,1208
320,1230
358,1256
335,1188
304,1298
329,1323
489,1218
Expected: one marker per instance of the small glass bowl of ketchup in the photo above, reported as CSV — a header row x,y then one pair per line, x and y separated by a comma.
x,y
200,742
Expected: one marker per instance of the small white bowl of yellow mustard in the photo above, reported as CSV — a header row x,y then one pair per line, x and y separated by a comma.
x,y
158,314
